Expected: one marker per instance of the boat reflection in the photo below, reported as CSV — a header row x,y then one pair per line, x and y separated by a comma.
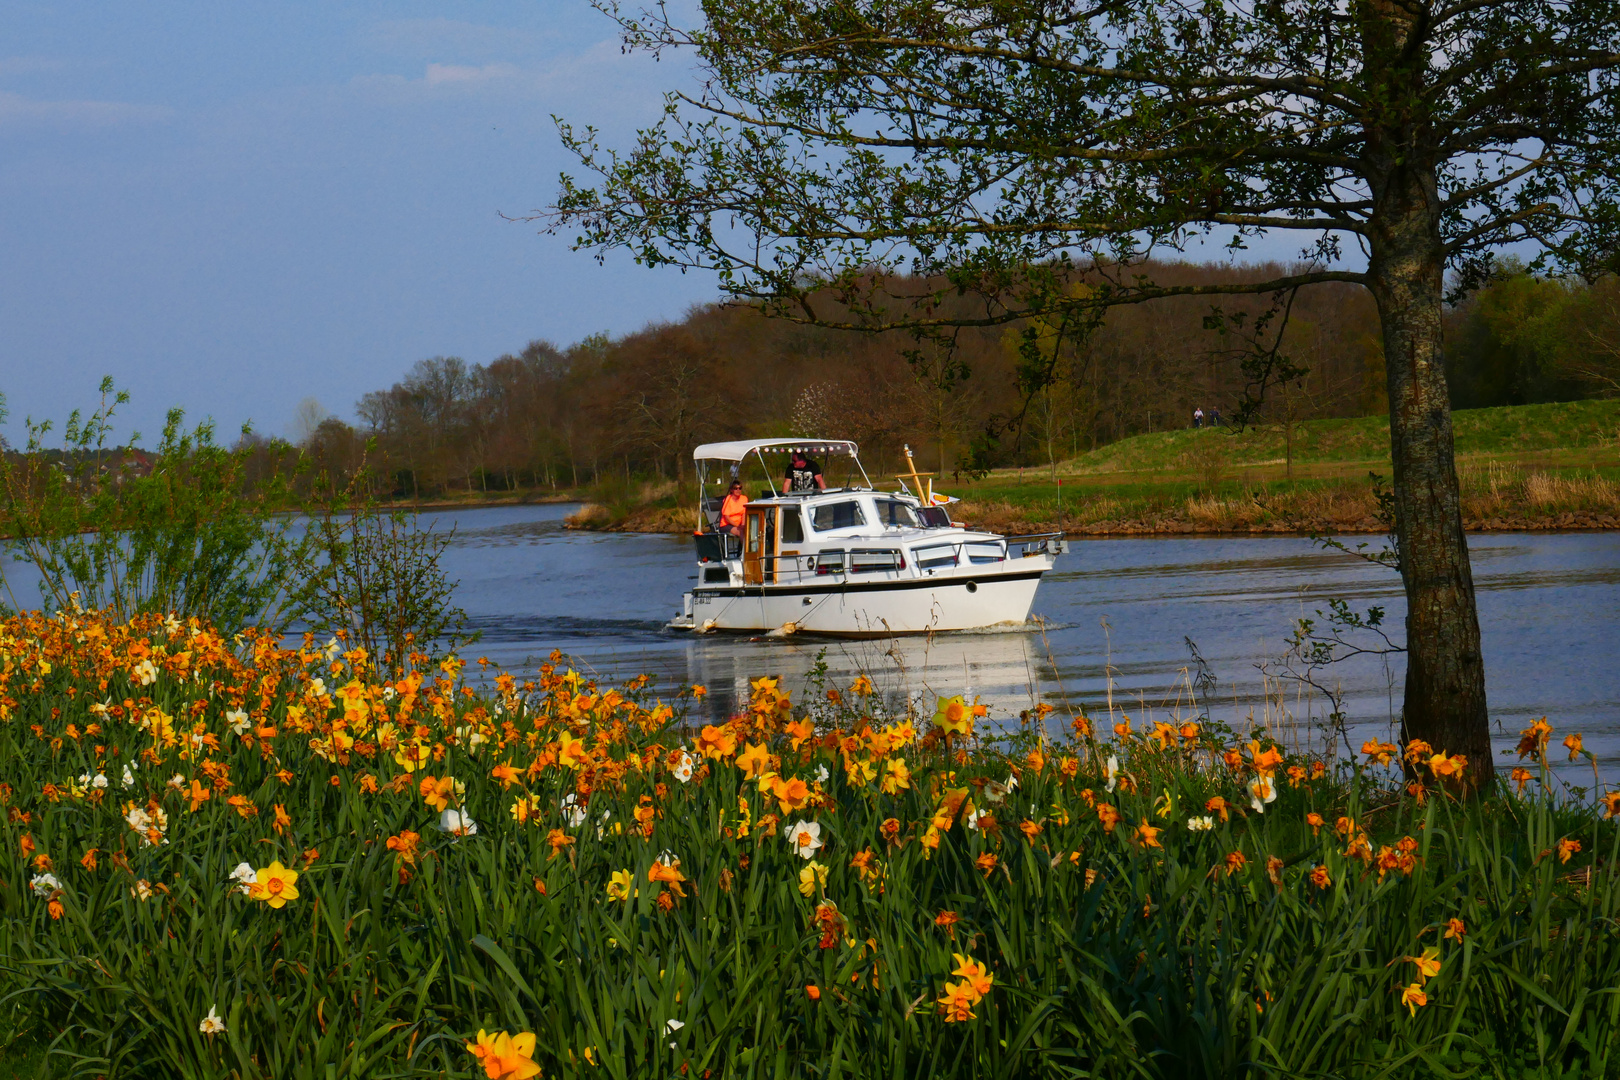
x,y
1006,670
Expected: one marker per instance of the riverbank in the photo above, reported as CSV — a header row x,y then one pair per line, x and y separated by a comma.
x,y
1522,468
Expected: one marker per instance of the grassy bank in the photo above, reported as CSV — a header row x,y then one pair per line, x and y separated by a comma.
x,y
246,861
1522,467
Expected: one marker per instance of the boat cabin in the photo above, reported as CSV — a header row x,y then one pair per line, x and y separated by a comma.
x,y
845,530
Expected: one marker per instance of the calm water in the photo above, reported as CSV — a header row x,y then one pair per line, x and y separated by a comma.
x,y
1119,612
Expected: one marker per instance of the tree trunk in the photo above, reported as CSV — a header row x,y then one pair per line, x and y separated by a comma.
x,y
1445,672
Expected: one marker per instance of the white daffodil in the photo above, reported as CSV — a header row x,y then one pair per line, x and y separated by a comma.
x,y
211,1024
44,884
822,775
683,767
573,812
1111,771
177,782
805,839
457,823
970,820
146,673
238,720
1200,824
245,876
1261,792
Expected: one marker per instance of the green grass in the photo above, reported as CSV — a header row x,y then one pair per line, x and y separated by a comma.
x,y
24,1060
1327,482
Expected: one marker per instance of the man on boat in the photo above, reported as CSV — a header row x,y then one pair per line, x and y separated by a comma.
x,y
803,475
733,510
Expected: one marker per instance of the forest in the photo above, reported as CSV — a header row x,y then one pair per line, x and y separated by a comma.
x,y
549,416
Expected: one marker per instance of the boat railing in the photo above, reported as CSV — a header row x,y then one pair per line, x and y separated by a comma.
x,y
1047,543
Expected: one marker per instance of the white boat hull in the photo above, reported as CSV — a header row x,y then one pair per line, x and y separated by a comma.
x,y
869,608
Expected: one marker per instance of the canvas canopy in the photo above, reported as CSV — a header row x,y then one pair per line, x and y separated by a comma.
x,y
736,451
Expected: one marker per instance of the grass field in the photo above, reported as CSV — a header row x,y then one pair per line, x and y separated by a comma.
x,y
1521,467
1533,466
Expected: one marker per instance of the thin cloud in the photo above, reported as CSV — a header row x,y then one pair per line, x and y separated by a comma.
x,y
441,74
29,65
423,38
17,109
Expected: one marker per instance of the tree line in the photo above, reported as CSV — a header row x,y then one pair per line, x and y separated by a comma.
x,y
633,408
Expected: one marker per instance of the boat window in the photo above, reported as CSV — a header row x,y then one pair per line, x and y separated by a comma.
x,y
939,555
935,517
830,562
865,562
894,512
838,515
792,525
986,553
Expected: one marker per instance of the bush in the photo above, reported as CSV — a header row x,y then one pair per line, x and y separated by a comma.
x,y
177,530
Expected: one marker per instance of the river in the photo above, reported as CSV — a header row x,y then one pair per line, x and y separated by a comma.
x,y
1119,614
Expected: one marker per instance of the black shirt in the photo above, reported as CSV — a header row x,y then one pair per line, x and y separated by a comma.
x,y
803,477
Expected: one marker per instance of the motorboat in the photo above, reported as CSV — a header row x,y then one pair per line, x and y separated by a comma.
x,y
847,559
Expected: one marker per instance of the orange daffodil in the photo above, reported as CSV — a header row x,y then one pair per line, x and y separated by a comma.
x,y
960,997
504,1056
1413,996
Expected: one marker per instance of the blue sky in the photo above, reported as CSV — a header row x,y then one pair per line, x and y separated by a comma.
x,y
230,207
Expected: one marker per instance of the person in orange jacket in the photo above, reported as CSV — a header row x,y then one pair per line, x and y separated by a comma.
x,y
732,510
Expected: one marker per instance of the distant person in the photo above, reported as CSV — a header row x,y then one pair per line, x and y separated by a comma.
x,y
1215,417
803,476
1198,418
733,511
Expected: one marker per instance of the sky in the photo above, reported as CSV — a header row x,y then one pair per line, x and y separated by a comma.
x,y
230,207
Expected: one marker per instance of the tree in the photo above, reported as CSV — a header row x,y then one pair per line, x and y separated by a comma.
x,y
1001,149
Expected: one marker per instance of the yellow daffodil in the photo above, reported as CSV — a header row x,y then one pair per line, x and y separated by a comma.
x,y
275,885
620,885
812,877
953,714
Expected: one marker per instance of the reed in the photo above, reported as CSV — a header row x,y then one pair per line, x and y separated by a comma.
x,y
818,887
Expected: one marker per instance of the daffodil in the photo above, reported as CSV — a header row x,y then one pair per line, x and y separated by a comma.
x,y
953,714
212,1024
754,761
804,839
812,877
1428,965
275,885
1261,792
620,885
457,823
504,1056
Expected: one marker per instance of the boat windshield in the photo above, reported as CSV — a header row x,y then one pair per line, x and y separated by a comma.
x,y
896,513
